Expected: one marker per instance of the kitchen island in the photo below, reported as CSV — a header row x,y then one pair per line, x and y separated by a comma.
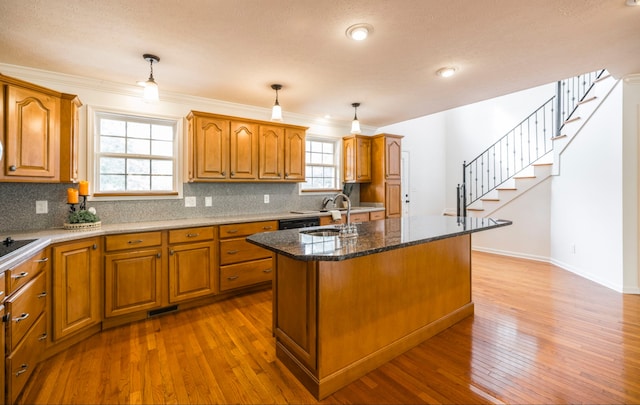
x,y
343,306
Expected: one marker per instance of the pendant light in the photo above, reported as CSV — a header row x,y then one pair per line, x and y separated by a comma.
x,y
150,86
355,124
276,111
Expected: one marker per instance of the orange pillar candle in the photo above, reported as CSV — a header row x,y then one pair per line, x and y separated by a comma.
x,y
83,185
72,196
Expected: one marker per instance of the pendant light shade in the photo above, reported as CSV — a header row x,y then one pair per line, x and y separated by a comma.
x,y
150,86
355,124
276,111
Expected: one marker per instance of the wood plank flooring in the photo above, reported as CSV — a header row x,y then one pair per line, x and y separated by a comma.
x,y
539,335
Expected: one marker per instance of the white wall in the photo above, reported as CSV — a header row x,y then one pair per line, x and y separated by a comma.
x,y
631,183
586,199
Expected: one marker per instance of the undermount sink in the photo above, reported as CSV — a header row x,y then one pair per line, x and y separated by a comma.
x,y
322,232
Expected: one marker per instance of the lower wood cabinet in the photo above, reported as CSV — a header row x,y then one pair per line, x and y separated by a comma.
x,y
133,273
77,287
193,267
355,218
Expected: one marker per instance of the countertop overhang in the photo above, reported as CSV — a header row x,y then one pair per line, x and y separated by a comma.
x,y
373,237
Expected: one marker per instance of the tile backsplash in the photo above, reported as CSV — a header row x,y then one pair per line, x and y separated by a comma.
x,y
18,202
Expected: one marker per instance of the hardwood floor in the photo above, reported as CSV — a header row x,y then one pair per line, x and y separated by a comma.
x,y
539,335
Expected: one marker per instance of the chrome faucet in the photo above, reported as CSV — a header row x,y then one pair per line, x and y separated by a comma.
x,y
348,229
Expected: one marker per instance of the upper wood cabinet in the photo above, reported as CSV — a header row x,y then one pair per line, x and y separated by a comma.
x,y
356,159
385,185
224,148
39,132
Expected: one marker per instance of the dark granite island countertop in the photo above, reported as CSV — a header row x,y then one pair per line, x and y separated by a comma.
x,y
373,236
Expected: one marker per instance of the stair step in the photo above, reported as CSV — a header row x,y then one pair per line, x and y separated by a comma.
x,y
543,164
574,119
475,209
555,138
490,199
506,188
586,100
524,176
602,78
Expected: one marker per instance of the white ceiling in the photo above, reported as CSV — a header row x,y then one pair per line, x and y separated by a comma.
x,y
233,50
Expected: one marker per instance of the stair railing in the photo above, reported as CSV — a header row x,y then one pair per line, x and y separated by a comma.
x,y
528,141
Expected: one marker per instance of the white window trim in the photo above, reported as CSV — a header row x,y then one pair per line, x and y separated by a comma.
x,y
92,169
337,142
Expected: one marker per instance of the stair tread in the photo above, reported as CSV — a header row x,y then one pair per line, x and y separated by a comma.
x,y
558,137
525,176
489,199
543,164
602,78
586,100
506,188
572,120
475,209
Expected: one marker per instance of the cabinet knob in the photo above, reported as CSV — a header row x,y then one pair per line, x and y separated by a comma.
x,y
171,252
158,255
224,173
95,246
233,173
13,168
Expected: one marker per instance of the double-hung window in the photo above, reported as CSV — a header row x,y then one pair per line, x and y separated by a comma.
x,y
322,167
135,155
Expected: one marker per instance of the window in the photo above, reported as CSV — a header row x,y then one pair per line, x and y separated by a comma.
x,y
135,155
321,165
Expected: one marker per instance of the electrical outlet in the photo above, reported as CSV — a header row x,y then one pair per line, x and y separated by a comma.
x,y
208,201
42,207
189,201
266,198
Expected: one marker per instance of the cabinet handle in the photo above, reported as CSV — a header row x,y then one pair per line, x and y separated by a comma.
x,y
192,235
224,173
135,241
95,246
43,260
158,255
13,168
267,227
232,252
21,317
232,231
43,337
23,369
266,271
233,173
232,277
286,175
279,174
171,252
42,294
20,275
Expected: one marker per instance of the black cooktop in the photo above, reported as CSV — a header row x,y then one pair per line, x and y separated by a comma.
x,y
9,245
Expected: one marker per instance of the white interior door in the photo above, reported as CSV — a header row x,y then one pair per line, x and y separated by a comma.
x,y
405,183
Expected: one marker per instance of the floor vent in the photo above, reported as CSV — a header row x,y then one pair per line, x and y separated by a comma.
x,y
163,310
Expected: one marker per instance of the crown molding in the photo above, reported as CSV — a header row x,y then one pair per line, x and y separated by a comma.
x,y
632,79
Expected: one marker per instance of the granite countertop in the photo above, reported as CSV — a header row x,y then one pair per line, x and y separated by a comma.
x,y
373,237
45,237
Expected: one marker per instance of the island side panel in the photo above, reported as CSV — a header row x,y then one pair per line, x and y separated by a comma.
x,y
370,303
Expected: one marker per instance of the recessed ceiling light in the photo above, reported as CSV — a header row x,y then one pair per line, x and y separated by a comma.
x,y
446,72
359,32
632,2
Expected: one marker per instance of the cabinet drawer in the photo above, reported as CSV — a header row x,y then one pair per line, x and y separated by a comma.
x,y
247,228
359,217
24,308
374,215
23,360
244,274
27,270
239,250
133,240
191,234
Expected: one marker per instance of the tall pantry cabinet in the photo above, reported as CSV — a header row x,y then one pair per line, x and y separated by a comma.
x,y
385,185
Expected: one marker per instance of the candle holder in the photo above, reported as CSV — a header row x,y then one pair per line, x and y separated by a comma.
x,y
82,204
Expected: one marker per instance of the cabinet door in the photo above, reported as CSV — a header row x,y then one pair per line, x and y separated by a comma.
x,y
132,281
393,151
363,159
32,140
77,284
271,146
294,155
2,350
393,199
211,148
192,271
69,137
243,147
349,159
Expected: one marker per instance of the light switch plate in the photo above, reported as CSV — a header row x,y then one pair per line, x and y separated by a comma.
x,y
42,207
208,201
189,201
266,198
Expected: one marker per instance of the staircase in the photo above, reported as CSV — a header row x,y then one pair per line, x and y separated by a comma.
x,y
531,152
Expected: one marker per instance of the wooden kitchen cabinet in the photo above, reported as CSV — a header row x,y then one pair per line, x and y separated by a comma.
x,y
356,159
225,148
26,320
39,131
133,273
241,263
193,266
77,287
386,181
